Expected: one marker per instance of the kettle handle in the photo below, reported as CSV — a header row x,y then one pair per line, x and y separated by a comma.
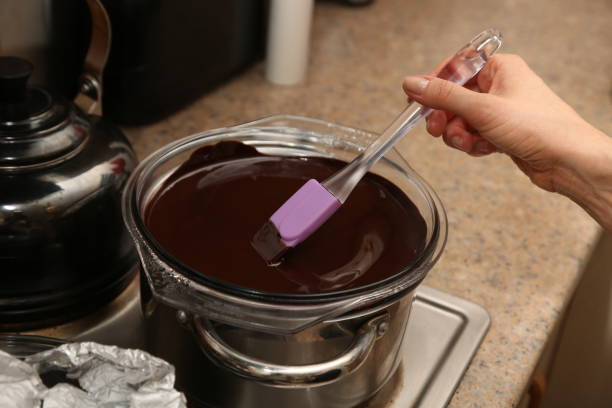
x,y
89,98
291,376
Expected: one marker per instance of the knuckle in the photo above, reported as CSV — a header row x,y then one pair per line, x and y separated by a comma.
x,y
517,60
511,61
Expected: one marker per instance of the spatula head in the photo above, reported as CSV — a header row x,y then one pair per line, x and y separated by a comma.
x,y
301,215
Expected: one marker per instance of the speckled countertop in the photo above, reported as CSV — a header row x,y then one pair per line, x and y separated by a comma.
x,y
512,248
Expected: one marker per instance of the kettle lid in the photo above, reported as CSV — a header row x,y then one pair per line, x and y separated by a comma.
x,y
36,128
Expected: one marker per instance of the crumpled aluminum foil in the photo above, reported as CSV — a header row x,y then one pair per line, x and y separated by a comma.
x,y
109,377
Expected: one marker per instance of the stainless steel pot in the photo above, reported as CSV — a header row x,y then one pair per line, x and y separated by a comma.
x,y
239,348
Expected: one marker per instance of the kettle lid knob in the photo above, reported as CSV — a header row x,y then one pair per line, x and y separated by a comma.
x,y
36,128
17,101
14,74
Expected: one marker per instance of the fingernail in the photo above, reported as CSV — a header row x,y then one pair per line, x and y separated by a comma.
x,y
457,142
415,85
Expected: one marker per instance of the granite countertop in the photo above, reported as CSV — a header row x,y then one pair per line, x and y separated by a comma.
x,y
512,248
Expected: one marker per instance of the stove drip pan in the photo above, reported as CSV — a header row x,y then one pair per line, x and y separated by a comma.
x,y
119,323
442,336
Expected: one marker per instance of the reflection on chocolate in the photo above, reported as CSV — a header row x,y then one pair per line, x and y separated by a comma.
x,y
207,211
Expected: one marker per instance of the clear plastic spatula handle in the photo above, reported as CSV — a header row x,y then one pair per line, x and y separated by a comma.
x,y
463,66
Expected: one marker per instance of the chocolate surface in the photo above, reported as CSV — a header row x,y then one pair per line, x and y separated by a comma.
x,y
207,211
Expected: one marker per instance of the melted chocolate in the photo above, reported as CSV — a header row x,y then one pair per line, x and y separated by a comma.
x,y
207,211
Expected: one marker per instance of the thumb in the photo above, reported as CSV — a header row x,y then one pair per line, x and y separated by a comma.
x,y
441,94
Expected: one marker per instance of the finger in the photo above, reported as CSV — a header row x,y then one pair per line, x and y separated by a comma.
x,y
482,147
438,68
440,94
513,65
472,83
472,86
436,123
459,136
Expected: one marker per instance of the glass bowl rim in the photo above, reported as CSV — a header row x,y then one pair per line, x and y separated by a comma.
x,y
147,166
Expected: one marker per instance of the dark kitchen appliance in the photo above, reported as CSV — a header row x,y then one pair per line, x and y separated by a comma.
x,y
64,251
164,54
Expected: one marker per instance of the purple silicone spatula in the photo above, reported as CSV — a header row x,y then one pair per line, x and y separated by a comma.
x,y
309,207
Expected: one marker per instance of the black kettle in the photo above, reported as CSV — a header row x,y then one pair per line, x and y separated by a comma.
x,y
63,248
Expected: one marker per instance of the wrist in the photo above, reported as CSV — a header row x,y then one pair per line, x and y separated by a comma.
x,y
587,176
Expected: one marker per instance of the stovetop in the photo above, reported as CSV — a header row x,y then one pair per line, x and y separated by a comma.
x,y
442,336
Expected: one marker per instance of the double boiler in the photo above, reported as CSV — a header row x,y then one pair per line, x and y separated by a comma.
x,y
241,348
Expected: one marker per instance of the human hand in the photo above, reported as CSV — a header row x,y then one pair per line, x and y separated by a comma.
x,y
508,108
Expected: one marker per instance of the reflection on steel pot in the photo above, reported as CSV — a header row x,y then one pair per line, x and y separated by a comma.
x,y
298,375
235,347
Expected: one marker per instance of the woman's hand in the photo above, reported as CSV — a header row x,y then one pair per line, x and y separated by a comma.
x,y
508,108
